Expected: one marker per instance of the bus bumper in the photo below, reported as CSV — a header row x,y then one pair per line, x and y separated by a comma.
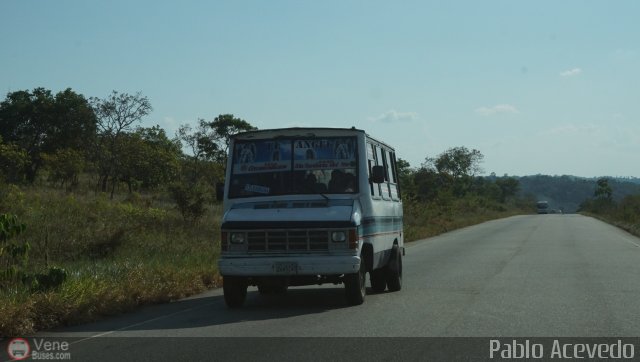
x,y
288,265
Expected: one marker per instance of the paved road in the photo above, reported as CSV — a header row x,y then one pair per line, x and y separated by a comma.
x,y
537,275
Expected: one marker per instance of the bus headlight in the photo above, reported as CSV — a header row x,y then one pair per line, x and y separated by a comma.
x,y
238,238
338,236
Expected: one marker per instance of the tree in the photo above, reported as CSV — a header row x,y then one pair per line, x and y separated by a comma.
x,y
460,165
119,111
13,162
116,115
40,123
25,118
224,127
602,201
405,175
74,123
459,162
200,140
491,190
202,150
165,154
65,165
148,158
509,186
603,190
208,144
427,183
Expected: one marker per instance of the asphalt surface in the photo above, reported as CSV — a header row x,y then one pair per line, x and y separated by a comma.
x,y
524,276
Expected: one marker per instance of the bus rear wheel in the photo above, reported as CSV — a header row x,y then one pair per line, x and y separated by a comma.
x,y
378,280
394,270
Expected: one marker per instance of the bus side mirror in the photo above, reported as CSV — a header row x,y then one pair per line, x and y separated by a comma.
x,y
219,191
377,174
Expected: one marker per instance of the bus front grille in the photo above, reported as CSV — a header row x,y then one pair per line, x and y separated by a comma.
x,y
288,241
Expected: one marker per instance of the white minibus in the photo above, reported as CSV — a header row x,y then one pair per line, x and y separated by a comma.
x,y
306,206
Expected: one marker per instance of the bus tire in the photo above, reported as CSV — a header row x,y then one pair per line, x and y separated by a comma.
x,y
354,285
235,291
394,270
378,280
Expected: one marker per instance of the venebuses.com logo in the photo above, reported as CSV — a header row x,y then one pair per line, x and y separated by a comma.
x,y
18,349
38,349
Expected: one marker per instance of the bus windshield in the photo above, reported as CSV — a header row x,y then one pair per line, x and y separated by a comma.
x,y
281,166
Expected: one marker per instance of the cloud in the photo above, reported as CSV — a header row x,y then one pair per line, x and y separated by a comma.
x,y
497,109
573,130
393,116
571,72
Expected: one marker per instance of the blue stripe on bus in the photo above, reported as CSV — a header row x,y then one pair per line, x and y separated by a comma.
x,y
380,225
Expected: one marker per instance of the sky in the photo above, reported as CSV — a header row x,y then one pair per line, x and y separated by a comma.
x,y
538,87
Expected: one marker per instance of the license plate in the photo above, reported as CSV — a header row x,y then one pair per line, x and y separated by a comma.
x,y
285,267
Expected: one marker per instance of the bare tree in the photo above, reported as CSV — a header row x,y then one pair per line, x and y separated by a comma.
x,y
116,115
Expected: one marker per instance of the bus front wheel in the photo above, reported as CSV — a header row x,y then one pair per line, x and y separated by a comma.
x,y
235,291
354,285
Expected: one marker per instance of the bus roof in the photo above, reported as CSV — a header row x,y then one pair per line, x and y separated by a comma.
x,y
301,132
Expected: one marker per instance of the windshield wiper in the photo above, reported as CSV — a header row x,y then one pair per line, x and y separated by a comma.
x,y
310,189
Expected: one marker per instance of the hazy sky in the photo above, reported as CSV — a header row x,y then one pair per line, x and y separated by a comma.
x,y
547,87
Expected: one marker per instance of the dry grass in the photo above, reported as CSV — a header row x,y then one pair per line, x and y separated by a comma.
x,y
118,255
426,220
624,214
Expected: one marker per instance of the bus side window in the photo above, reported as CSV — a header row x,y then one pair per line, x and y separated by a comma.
x,y
382,161
373,161
371,184
395,186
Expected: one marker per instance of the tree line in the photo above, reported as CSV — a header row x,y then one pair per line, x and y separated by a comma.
x,y
454,174
567,193
66,135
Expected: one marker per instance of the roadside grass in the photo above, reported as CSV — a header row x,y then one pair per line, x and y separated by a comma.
x,y
137,250
94,291
631,228
117,256
424,220
624,214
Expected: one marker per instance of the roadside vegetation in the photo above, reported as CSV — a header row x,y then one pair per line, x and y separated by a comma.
x,y
87,256
445,193
567,193
624,214
99,215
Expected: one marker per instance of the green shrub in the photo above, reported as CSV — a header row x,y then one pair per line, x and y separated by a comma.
x,y
41,282
190,200
629,209
14,254
13,162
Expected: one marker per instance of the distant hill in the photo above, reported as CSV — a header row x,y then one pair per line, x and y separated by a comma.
x,y
633,180
568,192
